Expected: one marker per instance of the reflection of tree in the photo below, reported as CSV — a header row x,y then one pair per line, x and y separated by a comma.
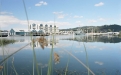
x,y
21,40
104,39
4,42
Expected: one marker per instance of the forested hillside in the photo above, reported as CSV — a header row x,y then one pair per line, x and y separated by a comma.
x,y
103,28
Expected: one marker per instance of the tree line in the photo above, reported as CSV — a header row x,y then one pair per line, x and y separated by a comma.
x,y
103,28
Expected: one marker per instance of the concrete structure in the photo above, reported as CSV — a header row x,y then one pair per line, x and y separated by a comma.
x,y
66,32
113,33
12,32
44,28
4,33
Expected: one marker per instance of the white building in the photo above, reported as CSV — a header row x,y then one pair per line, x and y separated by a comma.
x,y
113,33
45,28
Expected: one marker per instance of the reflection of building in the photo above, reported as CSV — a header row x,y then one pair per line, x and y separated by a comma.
x,y
48,42
104,39
44,28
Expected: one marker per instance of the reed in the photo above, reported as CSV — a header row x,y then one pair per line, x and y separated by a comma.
x,y
14,67
56,58
1,67
86,58
42,42
35,60
66,70
49,72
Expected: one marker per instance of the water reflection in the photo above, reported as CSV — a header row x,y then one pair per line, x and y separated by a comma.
x,y
42,65
99,63
44,42
105,39
69,72
4,42
103,58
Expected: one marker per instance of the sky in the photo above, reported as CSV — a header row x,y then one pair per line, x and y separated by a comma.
x,y
63,13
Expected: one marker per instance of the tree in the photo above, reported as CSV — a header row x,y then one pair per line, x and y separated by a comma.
x,y
109,30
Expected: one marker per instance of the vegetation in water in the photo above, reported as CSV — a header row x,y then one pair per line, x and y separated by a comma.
x,y
42,42
56,58
1,67
6,42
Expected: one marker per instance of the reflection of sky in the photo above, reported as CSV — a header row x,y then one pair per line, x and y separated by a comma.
x,y
11,48
100,55
99,63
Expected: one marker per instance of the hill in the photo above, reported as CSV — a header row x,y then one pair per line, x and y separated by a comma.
x,y
103,28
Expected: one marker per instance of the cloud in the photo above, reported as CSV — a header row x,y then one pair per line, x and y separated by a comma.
x,y
6,20
41,3
10,20
60,14
78,21
99,4
102,19
78,16
5,13
92,21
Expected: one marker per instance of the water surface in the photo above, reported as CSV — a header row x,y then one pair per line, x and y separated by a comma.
x,y
100,54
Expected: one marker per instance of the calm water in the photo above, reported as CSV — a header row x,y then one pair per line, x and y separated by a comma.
x,y
101,54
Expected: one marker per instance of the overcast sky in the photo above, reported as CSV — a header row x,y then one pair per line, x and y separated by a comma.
x,y
67,13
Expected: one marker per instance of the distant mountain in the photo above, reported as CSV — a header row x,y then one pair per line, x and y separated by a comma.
x,y
104,28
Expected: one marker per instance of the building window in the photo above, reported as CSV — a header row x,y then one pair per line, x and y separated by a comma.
x,y
50,25
33,25
41,24
46,25
30,26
